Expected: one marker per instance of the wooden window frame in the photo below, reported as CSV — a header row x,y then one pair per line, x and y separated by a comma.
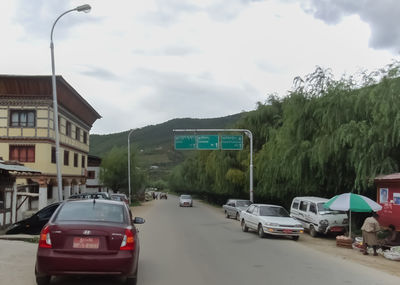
x,y
66,157
77,133
68,129
16,152
20,123
53,155
85,139
91,174
76,157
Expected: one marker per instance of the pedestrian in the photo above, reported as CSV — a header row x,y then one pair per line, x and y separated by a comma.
x,y
370,229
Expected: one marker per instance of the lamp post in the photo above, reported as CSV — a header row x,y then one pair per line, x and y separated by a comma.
x,y
129,167
83,8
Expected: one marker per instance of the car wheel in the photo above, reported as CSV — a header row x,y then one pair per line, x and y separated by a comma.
x,y
313,232
295,237
237,216
42,280
244,227
261,233
226,215
132,280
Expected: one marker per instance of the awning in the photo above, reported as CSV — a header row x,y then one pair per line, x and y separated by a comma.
x,y
17,168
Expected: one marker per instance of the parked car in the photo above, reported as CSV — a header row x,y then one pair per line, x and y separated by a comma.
x,y
89,237
163,196
185,201
119,197
34,224
271,220
315,218
233,207
97,195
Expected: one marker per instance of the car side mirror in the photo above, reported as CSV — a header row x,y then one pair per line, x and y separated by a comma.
x,y
138,220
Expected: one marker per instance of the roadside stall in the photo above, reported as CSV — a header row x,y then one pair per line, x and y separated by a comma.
x,y
388,196
351,202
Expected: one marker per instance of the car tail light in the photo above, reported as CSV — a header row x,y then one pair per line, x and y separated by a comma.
x,y
45,241
128,242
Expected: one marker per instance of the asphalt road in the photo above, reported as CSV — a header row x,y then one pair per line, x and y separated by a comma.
x,y
199,246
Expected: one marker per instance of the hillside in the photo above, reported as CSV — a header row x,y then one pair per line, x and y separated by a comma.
x,y
155,142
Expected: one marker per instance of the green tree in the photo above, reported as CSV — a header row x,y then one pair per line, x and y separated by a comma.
x,y
114,170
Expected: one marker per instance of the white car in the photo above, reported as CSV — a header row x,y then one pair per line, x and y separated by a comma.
x,y
185,201
315,218
270,219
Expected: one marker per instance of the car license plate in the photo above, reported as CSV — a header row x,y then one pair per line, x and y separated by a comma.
x,y
86,242
336,229
287,231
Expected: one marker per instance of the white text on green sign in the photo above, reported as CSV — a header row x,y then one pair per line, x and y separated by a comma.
x,y
185,142
231,142
207,142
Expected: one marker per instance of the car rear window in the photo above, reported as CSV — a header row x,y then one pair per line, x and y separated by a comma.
x,y
186,197
243,203
96,212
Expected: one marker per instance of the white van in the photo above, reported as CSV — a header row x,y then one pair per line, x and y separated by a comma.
x,y
315,218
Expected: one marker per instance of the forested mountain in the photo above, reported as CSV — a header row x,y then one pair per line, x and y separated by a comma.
x,y
156,136
326,137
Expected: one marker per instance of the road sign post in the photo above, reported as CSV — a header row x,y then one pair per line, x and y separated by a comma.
x,y
229,142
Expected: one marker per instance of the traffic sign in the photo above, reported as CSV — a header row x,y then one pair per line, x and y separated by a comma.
x,y
231,142
208,142
185,142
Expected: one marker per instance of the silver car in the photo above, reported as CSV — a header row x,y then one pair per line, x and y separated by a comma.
x,y
185,201
233,207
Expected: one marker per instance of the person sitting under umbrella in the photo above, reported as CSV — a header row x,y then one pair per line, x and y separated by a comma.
x,y
393,239
369,232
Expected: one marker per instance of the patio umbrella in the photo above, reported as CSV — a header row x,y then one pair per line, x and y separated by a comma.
x,y
353,203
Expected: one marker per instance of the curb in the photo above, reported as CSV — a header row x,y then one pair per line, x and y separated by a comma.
x,y
28,238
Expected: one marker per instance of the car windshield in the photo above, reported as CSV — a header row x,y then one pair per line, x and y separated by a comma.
x,y
186,197
116,198
272,211
322,210
91,212
243,203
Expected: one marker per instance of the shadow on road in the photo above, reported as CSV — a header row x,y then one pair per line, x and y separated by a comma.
x,y
86,280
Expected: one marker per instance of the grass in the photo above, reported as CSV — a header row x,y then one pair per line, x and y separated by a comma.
x,y
135,204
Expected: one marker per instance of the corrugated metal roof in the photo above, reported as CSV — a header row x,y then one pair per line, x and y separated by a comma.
x,y
17,168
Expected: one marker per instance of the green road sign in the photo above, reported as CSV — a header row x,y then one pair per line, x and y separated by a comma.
x,y
231,142
210,142
185,142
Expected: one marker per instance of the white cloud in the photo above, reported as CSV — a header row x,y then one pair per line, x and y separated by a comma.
x,y
145,62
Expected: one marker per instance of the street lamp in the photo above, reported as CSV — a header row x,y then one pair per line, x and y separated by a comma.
x,y
129,167
83,8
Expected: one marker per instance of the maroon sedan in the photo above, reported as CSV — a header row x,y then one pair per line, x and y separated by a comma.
x,y
89,237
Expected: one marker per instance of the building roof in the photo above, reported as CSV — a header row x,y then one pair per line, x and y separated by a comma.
x,y
94,160
40,86
390,177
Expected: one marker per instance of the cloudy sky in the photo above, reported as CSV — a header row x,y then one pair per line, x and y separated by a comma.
x,y
142,62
